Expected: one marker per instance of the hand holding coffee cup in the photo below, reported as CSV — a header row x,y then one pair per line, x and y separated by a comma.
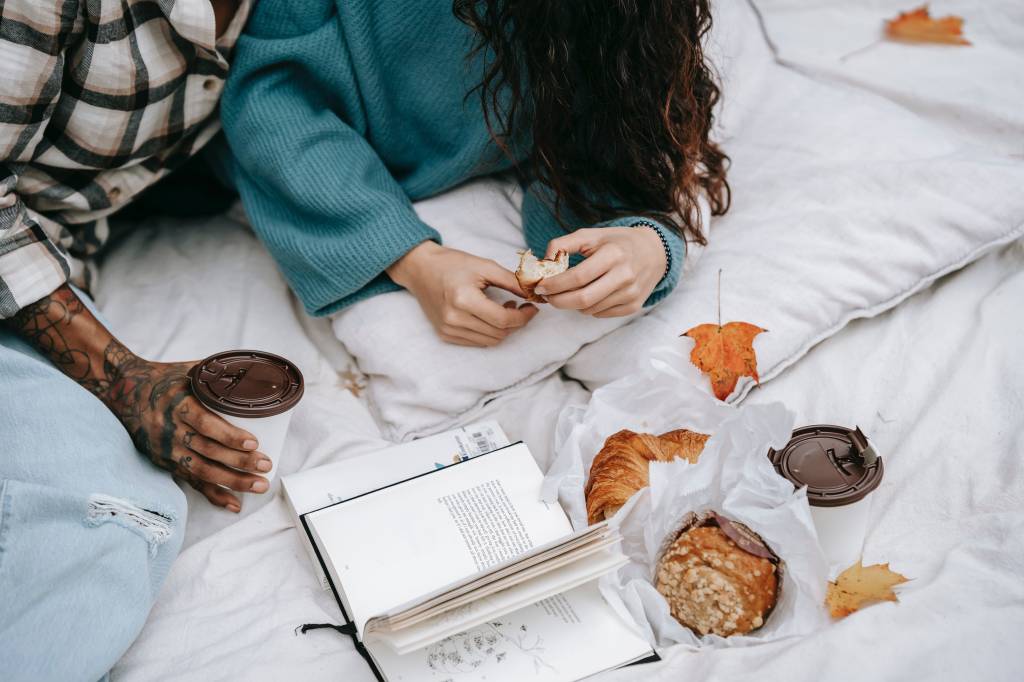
x,y
167,423
251,392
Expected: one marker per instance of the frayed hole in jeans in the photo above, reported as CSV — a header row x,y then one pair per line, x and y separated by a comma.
x,y
154,526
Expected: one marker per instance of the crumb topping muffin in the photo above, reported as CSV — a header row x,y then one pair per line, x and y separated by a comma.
x,y
714,586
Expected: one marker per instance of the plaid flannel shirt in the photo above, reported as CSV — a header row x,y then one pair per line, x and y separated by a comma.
x,y
99,101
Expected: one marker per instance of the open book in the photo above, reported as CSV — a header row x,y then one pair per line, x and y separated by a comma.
x,y
312,489
464,572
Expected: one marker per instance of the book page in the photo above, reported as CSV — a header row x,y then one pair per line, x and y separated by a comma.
x,y
315,488
565,637
397,544
493,606
312,489
541,559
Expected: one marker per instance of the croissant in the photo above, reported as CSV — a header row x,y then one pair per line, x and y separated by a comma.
x,y
620,468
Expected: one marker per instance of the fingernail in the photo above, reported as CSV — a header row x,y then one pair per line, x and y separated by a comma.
x,y
250,445
259,486
234,508
540,290
264,465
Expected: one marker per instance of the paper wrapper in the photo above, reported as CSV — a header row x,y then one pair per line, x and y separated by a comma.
x,y
733,477
666,393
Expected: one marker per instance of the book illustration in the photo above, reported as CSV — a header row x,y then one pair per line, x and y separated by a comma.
x,y
488,644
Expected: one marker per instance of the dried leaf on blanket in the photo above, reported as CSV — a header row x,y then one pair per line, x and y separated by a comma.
x,y
352,381
859,586
918,26
725,353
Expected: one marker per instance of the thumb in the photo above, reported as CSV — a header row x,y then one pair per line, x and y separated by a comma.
x,y
501,278
583,241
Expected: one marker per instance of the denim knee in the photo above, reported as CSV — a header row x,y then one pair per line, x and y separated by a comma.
x,y
79,574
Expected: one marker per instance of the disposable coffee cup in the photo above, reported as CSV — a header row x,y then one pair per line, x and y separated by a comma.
x,y
840,469
253,390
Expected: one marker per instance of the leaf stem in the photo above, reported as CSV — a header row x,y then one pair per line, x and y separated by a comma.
x,y
860,50
719,298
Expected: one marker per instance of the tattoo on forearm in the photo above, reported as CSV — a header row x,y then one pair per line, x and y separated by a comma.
x,y
45,323
143,395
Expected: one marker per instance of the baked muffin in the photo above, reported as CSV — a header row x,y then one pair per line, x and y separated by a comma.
x,y
712,584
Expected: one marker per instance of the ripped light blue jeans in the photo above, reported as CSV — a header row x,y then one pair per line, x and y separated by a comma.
x,y
88,526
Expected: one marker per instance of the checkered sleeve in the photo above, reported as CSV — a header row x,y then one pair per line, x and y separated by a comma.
x,y
32,36
31,264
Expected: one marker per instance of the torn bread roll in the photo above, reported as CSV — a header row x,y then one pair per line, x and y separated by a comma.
x,y
532,270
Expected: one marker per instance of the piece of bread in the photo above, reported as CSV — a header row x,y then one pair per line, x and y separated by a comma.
x,y
713,585
532,270
621,467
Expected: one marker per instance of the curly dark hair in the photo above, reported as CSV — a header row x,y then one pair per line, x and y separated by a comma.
x,y
617,96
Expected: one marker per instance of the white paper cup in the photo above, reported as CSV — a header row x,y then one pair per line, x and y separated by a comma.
x,y
253,390
841,532
840,469
270,433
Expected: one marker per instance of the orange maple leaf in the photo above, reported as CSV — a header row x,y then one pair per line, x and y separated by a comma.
x,y
918,26
860,585
725,353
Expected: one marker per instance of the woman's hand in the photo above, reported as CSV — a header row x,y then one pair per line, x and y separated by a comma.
x,y
449,285
622,267
152,399
166,422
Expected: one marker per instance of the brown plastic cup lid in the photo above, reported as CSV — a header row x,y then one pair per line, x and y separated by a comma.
x,y
247,383
837,464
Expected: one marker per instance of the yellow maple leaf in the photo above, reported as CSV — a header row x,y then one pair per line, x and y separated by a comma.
x,y
860,585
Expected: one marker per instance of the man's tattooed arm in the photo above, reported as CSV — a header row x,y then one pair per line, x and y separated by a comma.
x,y
63,329
151,399
48,323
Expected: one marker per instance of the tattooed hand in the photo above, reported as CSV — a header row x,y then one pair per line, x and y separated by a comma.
x,y
152,400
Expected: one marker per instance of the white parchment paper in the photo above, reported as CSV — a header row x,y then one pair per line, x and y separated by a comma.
x,y
733,477
666,393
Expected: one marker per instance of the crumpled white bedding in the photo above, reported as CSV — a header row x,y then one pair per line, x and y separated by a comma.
x,y
935,382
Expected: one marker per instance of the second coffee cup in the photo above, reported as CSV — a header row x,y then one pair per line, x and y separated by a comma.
x,y
840,469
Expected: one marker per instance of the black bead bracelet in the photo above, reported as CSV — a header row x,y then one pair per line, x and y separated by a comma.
x,y
664,242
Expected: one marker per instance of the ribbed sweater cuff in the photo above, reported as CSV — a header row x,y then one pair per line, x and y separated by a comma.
x,y
359,273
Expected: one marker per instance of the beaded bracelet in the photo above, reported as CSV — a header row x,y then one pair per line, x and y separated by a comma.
x,y
664,243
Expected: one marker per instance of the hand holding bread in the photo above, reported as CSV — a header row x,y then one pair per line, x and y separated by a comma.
x,y
621,268
449,285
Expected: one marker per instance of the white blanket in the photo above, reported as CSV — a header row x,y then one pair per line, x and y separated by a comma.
x,y
935,382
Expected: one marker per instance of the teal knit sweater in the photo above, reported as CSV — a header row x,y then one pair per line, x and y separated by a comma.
x,y
340,113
